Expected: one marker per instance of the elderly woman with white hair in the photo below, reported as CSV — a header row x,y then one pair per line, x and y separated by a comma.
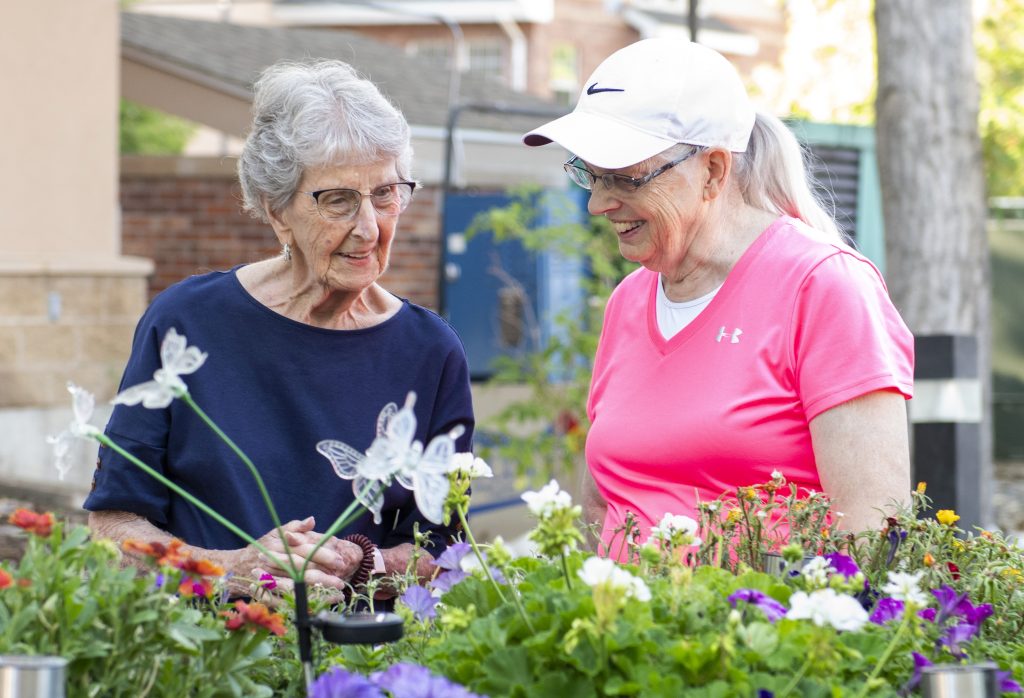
x,y
302,347
753,339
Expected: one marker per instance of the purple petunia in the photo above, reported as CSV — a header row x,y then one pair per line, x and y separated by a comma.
x,y
420,601
1007,684
927,613
772,609
338,683
414,681
957,635
887,609
842,564
948,600
920,662
974,615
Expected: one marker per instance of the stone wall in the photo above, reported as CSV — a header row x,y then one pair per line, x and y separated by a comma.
x,y
60,326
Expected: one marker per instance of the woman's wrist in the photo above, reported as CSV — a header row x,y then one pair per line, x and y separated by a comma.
x,y
369,561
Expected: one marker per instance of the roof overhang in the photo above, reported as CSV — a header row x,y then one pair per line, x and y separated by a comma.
x,y
718,36
392,12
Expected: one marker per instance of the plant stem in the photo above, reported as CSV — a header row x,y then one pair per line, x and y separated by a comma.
x,y
565,572
476,550
198,503
187,398
796,679
908,614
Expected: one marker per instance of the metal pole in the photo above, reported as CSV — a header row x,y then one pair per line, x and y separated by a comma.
x,y
693,21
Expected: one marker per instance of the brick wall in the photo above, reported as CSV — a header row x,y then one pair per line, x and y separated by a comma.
x,y
192,222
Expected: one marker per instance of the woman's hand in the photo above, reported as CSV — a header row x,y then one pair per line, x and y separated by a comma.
x,y
331,566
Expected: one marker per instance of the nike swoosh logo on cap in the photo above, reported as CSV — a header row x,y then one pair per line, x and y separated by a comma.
x,y
594,89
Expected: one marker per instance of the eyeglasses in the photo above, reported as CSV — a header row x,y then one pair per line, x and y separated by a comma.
x,y
621,183
343,204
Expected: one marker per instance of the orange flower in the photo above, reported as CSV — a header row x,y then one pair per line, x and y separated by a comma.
x,y
928,560
253,615
39,524
5,579
190,587
170,554
201,568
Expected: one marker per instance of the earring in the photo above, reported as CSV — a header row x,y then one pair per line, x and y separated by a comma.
x,y
287,252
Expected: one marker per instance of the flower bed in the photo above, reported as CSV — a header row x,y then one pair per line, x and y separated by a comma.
x,y
688,614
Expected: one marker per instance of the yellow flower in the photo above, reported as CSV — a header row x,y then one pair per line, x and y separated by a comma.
x,y
734,516
947,517
921,487
1014,572
748,493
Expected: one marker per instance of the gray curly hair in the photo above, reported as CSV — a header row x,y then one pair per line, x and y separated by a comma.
x,y
307,115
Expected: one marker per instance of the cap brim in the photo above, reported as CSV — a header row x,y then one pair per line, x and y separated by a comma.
x,y
598,140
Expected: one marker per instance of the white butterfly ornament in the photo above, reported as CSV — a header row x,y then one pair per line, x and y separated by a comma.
x,y
395,453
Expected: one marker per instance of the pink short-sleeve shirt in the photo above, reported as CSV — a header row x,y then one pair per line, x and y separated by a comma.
x,y
800,325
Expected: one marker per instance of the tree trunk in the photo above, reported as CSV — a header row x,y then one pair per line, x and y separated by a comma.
x,y
932,177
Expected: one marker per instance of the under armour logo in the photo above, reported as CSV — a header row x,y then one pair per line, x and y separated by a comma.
x,y
735,334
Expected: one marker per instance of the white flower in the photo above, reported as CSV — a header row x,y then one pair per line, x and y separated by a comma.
x,y
549,499
469,464
600,571
82,404
395,453
176,360
906,587
816,571
776,475
672,525
826,607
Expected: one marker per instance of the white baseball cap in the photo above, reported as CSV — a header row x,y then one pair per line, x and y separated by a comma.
x,y
647,97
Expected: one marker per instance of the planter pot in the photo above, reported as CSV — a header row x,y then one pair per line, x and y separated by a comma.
x,y
959,681
774,564
32,677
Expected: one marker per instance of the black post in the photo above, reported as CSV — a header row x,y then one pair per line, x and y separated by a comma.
x,y
946,415
305,631
693,21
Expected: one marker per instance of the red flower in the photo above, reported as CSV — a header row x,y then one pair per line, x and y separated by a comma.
x,y
954,571
39,524
253,615
5,579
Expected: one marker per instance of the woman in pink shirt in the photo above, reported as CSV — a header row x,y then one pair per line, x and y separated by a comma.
x,y
753,338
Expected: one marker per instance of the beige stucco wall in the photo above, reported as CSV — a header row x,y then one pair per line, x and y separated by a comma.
x,y
68,299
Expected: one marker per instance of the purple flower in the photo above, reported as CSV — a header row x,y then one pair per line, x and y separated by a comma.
x,y
414,681
971,613
886,610
842,564
451,559
267,581
446,580
1007,684
498,576
920,662
338,683
927,614
772,609
948,601
764,693
957,635
420,601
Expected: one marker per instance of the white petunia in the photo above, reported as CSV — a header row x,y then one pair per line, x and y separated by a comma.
x,y
600,571
176,359
671,525
776,475
547,500
826,607
471,465
906,587
816,571
82,404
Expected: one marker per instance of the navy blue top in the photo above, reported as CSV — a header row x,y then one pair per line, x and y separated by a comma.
x,y
276,387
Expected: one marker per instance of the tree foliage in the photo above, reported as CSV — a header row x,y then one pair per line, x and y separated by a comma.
x,y
146,131
1000,47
